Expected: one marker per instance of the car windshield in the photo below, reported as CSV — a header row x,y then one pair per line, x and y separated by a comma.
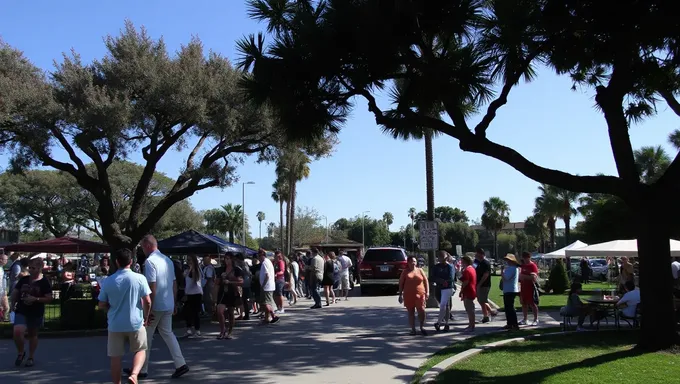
x,y
598,262
383,255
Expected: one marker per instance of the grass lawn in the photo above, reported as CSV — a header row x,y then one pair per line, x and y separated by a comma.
x,y
476,341
584,358
549,302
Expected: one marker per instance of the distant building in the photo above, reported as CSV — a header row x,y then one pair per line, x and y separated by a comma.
x,y
8,236
510,227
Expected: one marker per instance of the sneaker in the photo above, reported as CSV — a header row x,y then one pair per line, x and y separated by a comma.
x,y
128,371
188,333
534,323
315,306
485,320
274,320
446,328
197,334
180,371
522,322
436,327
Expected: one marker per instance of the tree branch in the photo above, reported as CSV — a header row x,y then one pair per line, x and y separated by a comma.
x,y
502,99
69,149
470,142
671,100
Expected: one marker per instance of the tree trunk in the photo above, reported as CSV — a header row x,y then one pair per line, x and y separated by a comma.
x,y
551,226
495,245
291,224
567,230
260,229
429,175
231,236
656,282
281,223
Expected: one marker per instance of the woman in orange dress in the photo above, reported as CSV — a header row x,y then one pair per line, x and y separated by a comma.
x,y
413,292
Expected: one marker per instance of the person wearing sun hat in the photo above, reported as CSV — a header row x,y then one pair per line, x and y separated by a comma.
x,y
510,283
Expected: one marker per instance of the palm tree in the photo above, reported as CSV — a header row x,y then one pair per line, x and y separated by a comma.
x,y
260,218
293,166
495,217
270,229
546,207
233,220
651,162
412,214
535,226
566,209
388,218
674,139
280,195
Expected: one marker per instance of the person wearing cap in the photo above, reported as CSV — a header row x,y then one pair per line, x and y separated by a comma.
x,y
510,285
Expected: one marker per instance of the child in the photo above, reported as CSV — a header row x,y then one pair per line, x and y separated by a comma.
x,y
575,307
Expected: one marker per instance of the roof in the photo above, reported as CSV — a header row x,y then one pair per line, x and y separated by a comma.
x,y
60,245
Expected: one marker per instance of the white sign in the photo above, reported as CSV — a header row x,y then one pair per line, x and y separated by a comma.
x,y
459,250
429,235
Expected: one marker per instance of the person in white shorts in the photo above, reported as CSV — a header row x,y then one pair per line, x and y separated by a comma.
x,y
346,264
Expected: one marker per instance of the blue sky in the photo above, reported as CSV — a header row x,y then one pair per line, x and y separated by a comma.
x,y
544,120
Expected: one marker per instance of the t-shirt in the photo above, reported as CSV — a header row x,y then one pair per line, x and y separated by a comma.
x,y
470,290
296,270
574,305
3,284
159,269
208,273
346,264
267,268
483,267
38,288
631,299
318,265
192,287
124,291
528,269
279,269
675,268
510,279
14,272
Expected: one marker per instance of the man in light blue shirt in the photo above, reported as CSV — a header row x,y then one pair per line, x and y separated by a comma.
x,y
126,297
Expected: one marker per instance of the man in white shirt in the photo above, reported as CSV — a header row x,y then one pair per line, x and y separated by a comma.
x,y
346,264
268,286
629,302
160,273
208,285
4,303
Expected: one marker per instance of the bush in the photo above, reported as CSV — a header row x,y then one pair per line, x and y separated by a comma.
x,y
558,280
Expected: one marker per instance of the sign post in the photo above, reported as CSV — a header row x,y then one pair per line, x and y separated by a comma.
x,y
429,235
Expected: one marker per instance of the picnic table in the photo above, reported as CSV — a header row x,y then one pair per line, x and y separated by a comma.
x,y
608,306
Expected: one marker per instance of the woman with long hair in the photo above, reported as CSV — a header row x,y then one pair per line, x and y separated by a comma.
x,y
229,295
193,291
327,281
413,293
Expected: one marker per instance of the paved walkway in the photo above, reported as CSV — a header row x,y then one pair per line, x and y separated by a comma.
x,y
364,340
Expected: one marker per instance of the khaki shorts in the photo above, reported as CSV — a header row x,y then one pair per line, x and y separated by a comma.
x,y
483,295
344,282
116,342
267,298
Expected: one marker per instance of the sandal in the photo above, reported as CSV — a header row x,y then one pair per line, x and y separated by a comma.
x,y
20,359
228,337
221,336
29,363
132,379
412,333
423,331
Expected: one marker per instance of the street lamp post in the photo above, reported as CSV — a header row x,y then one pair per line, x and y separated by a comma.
x,y
243,211
363,214
326,218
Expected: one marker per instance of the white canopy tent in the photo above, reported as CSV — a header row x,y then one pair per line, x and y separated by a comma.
x,y
616,248
561,253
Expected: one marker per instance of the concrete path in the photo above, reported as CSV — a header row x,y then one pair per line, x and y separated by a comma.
x,y
363,340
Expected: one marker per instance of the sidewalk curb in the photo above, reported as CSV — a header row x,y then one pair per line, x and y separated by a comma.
x,y
431,375
62,334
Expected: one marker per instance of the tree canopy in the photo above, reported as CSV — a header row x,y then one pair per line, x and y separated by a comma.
x,y
138,101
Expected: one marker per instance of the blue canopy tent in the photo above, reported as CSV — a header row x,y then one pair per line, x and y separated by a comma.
x,y
193,242
237,247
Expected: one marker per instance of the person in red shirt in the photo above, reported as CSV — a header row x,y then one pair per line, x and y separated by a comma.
x,y
527,277
468,291
279,280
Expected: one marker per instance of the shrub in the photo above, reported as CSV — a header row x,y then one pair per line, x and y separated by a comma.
x,y
558,280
